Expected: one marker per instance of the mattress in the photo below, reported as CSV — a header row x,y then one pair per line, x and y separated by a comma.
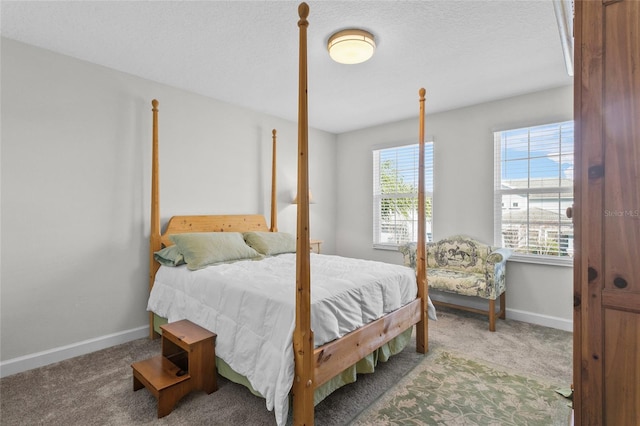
x,y
251,307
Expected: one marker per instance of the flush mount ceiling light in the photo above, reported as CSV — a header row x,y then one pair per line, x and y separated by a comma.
x,y
351,46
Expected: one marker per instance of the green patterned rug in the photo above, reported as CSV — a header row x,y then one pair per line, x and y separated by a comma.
x,y
448,389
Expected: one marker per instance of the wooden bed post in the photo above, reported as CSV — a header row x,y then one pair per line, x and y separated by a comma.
x,y
154,238
422,328
303,343
274,205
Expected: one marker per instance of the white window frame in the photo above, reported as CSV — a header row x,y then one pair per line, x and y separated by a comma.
x,y
409,153
533,188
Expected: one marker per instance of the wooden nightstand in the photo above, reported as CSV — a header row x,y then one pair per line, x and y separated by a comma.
x,y
187,363
315,245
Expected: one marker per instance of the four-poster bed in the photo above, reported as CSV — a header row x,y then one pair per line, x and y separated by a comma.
x,y
399,297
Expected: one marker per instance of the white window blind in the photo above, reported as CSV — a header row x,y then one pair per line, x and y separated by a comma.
x,y
533,188
395,195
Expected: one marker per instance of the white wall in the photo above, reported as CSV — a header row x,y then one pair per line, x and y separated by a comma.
x,y
76,154
463,191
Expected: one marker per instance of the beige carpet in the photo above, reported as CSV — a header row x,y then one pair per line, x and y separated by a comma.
x,y
96,389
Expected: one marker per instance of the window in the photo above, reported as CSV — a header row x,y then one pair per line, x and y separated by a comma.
x,y
395,195
533,188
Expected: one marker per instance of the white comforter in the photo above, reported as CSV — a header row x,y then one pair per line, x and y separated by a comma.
x,y
251,307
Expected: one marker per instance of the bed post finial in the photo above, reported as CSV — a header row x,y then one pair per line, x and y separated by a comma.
x,y
155,104
303,12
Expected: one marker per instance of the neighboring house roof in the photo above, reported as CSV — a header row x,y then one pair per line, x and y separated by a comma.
x,y
534,215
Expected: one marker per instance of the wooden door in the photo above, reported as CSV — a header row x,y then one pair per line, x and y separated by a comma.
x,y
607,213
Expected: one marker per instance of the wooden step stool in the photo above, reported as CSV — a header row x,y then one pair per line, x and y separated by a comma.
x,y
187,363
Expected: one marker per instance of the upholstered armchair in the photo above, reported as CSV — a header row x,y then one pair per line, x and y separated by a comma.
x,y
463,265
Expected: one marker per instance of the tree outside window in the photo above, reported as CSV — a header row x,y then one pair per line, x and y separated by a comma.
x,y
396,194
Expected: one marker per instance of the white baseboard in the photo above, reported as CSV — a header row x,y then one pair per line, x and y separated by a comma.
x,y
516,314
539,319
40,359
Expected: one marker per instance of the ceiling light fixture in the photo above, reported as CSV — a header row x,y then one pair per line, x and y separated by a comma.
x,y
351,46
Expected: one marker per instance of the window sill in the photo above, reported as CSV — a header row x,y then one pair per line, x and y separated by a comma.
x,y
542,260
388,247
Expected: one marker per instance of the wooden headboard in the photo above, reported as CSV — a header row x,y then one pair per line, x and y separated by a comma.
x,y
215,223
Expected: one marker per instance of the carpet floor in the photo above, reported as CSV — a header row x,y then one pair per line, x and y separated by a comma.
x,y
96,389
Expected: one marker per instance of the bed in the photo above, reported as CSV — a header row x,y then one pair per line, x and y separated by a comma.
x,y
273,330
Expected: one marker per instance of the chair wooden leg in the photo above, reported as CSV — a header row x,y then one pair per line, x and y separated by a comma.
x,y
492,315
503,305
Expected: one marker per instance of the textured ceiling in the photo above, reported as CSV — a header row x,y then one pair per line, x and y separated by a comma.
x,y
246,53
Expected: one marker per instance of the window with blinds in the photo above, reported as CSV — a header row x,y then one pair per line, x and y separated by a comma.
x,y
395,195
533,188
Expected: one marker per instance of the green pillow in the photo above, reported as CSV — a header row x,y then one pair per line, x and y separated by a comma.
x,y
207,248
271,243
169,256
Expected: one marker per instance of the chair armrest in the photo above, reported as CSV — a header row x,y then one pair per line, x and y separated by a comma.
x,y
409,252
496,266
499,255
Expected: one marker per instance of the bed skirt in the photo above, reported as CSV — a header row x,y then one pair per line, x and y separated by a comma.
x,y
365,365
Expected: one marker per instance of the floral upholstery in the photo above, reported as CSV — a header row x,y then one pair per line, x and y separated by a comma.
x,y
463,265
